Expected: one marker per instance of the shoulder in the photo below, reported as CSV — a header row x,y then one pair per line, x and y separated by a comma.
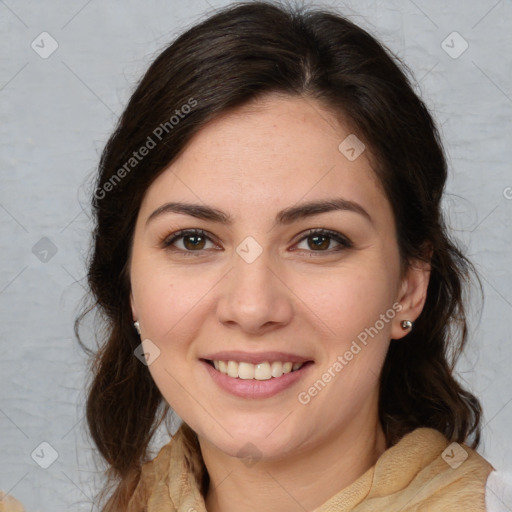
x,y
442,475
169,481
9,504
153,478
498,492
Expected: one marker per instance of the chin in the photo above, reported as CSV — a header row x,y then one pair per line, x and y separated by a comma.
x,y
256,439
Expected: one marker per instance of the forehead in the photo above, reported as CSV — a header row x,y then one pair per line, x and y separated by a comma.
x,y
269,153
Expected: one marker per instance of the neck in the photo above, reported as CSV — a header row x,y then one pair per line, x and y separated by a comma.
x,y
298,483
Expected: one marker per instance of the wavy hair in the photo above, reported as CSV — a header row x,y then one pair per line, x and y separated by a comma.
x,y
239,54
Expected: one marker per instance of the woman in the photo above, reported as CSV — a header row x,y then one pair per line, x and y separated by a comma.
x,y
268,214
272,263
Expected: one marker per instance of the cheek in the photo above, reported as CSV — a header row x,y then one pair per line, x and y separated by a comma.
x,y
348,301
170,305
349,305
165,298
348,309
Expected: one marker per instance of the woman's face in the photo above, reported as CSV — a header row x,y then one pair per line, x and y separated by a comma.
x,y
293,259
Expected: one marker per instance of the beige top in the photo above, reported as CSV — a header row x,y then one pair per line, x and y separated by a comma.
x,y
9,504
422,472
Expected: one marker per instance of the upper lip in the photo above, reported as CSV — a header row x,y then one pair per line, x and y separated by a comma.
x,y
256,357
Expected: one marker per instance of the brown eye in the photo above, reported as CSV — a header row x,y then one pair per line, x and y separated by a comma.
x,y
318,242
188,241
321,241
193,242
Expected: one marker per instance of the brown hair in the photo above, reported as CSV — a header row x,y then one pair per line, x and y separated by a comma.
x,y
240,54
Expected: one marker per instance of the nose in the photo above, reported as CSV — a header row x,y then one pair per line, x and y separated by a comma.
x,y
254,298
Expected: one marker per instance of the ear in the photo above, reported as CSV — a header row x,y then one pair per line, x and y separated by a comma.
x,y
412,295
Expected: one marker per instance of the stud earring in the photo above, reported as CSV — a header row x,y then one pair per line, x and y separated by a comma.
x,y
137,326
406,325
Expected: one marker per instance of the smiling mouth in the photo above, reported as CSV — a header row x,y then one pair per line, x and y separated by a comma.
x,y
260,371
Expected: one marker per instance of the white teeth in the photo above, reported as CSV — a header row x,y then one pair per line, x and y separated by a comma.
x,y
245,370
277,369
259,371
232,369
262,371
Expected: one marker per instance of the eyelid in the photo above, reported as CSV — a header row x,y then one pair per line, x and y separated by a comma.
x,y
342,240
167,241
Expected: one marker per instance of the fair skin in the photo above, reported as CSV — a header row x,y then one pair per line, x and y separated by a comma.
x,y
306,296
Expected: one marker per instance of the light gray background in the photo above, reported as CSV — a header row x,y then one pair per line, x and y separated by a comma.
x,y
56,115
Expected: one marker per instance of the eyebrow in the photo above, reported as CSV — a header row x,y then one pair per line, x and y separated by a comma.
x,y
286,216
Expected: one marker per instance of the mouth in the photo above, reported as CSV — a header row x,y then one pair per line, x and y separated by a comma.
x,y
262,371
257,379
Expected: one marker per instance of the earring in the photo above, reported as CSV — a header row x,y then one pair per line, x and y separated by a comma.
x,y
406,325
137,326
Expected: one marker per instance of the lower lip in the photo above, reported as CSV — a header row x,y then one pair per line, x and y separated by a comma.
x,y
252,388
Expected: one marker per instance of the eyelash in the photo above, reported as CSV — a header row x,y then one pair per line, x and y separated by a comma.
x,y
344,242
